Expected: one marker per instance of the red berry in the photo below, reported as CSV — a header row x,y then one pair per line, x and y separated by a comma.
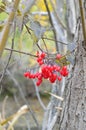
x,y
46,75
37,74
43,68
50,74
58,68
43,55
59,78
54,67
40,76
53,78
38,82
64,72
37,53
51,68
32,76
58,56
41,63
39,59
26,74
64,68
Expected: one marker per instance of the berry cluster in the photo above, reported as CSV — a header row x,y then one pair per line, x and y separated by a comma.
x,y
40,58
52,72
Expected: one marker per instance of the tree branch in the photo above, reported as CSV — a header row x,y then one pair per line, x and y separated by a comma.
x,y
25,53
83,20
50,19
8,27
1,79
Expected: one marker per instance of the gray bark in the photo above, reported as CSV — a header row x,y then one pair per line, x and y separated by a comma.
x,y
73,116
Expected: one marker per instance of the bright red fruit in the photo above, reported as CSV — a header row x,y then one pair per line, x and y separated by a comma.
x,y
26,74
53,78
48,70
43,55
64,72
59,78
38,82
58,56
41,63
58,68
39,59
40,76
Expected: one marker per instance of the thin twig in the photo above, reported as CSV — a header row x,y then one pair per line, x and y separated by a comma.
x,y
39,47
58,97
83,20
22,52
38,96
1,79
28,29
7,27
3,107
55,12
45,45
50,18
51,39
59,108
24,99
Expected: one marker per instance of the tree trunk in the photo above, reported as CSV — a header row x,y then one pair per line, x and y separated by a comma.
x,y
73,116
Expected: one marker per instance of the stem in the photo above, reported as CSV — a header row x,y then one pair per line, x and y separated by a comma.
x,y
25,53
51,22
83,20
55,40
8,27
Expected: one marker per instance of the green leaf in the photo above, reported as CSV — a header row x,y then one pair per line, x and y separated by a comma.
x,y
62,61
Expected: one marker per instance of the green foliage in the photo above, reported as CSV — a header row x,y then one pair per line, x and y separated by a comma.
x,y
62,61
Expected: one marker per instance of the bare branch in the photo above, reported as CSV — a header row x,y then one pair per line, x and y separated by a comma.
x,y
38,96
1,79
60,98
25,53
50,18
55,40
83,19
8,27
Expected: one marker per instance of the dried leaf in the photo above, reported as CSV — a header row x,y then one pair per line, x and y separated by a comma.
x,y
24,109
59,108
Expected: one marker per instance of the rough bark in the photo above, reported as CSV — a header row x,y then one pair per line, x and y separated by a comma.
x,y
73,116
